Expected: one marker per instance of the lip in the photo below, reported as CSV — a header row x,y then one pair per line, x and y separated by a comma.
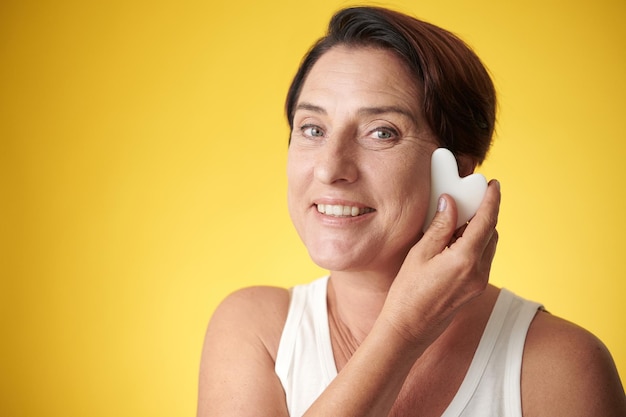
x,y
339,202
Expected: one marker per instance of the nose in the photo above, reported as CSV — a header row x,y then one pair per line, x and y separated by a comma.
x,y
337,160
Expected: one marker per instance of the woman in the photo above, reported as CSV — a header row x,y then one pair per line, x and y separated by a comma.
x,y
406,324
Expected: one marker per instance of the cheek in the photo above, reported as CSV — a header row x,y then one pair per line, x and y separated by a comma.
x,y
411,179
295,211
300,164
296,184
413,196
294,172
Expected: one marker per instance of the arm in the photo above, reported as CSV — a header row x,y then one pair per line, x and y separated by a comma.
x,y
237,375
567,371
441,273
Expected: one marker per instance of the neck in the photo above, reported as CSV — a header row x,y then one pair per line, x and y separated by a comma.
x,y
355,300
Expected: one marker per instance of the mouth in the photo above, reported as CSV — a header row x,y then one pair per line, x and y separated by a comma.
x,y
337,210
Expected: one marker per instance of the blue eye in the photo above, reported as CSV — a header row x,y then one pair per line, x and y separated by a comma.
x,y
312,131
385,133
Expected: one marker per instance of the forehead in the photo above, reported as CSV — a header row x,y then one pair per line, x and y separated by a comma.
x,y
356,73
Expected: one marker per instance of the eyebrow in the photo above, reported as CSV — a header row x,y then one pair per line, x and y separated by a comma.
x,y
368,111
310,107
373,111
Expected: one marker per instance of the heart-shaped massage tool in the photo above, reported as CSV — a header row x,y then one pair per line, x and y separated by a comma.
x,y
467,192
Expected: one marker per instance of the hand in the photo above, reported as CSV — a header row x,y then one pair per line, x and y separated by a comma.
x,y
444,271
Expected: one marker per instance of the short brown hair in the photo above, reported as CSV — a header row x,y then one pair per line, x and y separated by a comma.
x,y
459,99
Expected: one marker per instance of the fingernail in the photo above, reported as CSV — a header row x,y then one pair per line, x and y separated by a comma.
x,y
497,183
441,204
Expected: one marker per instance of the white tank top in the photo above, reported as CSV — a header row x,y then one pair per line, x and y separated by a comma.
x,y
305,363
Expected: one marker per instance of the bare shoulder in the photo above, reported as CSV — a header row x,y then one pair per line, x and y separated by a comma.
x,y
237,367
258,312
257,297
567,371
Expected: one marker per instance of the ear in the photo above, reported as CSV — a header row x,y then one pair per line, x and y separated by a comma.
x,y
466,164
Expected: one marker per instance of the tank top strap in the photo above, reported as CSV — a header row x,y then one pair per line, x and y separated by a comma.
x,y
483,352
492,384
305,362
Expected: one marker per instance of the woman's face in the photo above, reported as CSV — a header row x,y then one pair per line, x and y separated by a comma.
x,y
359,161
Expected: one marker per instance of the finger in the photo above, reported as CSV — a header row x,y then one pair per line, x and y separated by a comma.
x,y
481,228
441,229
488,255
457,234
490,250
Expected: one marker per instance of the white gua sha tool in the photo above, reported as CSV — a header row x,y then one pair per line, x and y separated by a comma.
x,y
467,192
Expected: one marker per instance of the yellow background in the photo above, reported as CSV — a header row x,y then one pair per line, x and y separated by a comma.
x,y
142,153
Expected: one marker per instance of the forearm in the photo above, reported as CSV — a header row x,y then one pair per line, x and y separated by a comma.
x,y
372,379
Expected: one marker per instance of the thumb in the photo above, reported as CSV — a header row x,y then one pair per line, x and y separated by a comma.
x,y
441,229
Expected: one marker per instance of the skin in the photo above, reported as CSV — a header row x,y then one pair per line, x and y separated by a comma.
x,y
336,156
398,300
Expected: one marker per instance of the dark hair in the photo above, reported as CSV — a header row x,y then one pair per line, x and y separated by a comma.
x,y
459,99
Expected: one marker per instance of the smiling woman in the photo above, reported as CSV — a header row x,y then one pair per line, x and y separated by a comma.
x,y
143,148
357,96
407,322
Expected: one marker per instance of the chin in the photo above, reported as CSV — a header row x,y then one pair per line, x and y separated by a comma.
x,y
355,260
349,261
336,261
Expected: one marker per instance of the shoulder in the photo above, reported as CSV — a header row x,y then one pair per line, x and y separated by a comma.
x,y
566,370
257,298
257,312
239,352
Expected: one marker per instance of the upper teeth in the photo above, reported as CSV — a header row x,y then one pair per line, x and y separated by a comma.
x,y
339,210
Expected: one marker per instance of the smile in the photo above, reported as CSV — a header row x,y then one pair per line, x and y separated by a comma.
x,y
343,211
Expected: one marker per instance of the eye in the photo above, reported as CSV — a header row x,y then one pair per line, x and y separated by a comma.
x,y
312,131
380,136
384,133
